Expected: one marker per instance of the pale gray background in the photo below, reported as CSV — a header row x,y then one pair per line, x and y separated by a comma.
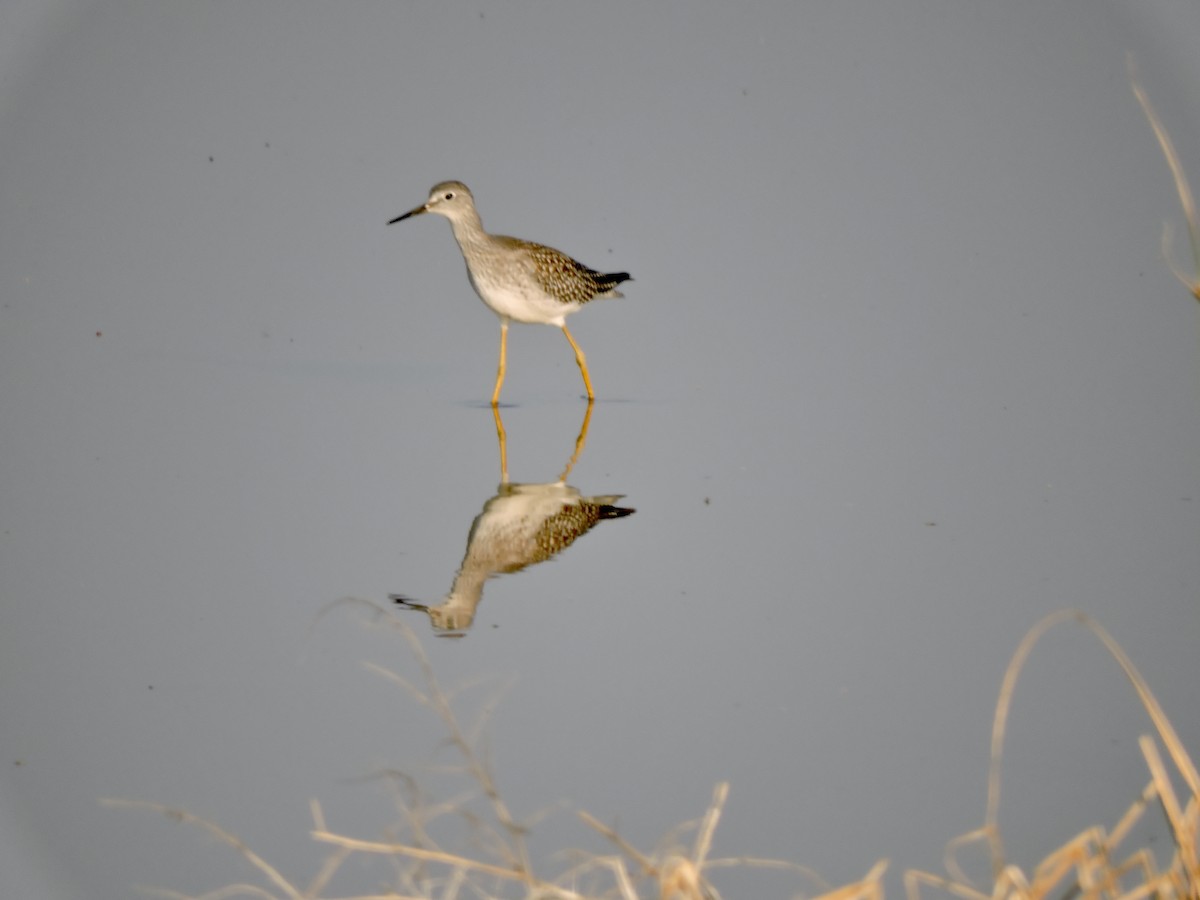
x,y
896,264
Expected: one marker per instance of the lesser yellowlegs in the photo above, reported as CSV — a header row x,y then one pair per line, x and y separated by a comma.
x,y
518,280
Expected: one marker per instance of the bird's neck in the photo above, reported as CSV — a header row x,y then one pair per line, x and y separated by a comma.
x,y
468,230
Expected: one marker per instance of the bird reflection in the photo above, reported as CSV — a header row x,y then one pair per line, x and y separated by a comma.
x,y
521,525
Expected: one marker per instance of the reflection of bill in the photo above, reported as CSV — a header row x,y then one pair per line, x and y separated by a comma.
x,y
521,525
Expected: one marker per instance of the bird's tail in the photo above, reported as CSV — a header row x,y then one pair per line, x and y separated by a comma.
x,y
607,508
608,283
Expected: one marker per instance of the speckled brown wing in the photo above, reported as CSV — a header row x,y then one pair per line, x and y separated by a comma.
x,y
560,530
567,280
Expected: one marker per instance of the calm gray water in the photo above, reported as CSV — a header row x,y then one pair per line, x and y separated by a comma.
x,y
901,371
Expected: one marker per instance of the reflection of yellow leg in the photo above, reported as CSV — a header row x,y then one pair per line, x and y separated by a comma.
x,y
502,438
500,371
579,442
579,358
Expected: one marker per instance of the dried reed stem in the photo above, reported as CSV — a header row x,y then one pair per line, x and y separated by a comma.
x,y
1186,200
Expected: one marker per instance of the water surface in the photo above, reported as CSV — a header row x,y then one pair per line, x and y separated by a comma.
x,y
900,372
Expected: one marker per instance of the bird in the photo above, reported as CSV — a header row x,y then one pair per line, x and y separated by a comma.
x,y
518,280
522,525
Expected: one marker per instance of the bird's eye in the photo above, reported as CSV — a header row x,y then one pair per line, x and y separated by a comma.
x,y
449,195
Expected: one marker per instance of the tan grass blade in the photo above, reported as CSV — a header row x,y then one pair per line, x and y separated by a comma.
x,y
1186,200
221,834
1184,831
1161,723
869,888
709,825
627,848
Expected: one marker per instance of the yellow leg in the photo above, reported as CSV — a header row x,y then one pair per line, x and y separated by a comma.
x,y
502,437
579,442
579,358
500,371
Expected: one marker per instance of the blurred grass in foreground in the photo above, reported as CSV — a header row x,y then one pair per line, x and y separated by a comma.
x,y
1186,200
1092,865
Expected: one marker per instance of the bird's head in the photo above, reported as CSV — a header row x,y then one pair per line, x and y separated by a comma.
x,y
451,199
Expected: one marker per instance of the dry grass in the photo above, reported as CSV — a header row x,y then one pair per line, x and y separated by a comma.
x,y
1092,865
1186,200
